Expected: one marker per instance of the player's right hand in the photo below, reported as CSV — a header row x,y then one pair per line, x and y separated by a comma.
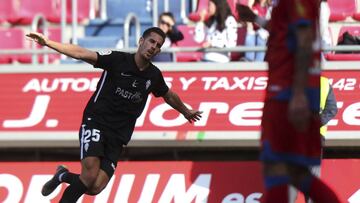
x,y
38,37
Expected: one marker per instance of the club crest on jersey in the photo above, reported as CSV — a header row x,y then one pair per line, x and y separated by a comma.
x,y
105,52
148,83
135,83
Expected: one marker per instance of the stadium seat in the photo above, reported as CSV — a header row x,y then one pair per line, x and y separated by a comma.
x,y
120,9
99,42
353,30
26,10
341,9
6,10
83,8
11,38
202,5
188,41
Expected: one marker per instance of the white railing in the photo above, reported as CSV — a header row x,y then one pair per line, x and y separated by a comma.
x,y
39,20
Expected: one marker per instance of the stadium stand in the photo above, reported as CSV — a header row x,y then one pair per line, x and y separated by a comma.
x,y
11,38
98,41
114,25
25,10
6,10
21,12
83,11
352,30
106,33
340,10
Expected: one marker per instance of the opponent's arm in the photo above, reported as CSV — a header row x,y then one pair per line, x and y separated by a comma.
x,y
299,111
174,101
70,50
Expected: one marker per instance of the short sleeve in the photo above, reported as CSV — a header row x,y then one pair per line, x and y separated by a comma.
x,y
106,59
160,88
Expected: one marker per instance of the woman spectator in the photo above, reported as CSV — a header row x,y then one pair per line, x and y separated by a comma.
x,y
217,28
257,36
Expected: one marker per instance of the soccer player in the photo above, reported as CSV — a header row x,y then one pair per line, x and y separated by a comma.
x,y
290,139
110,115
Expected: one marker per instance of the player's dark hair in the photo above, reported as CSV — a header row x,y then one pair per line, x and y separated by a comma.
x,y
157,30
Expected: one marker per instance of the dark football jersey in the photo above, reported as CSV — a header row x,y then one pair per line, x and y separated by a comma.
x,y
123,89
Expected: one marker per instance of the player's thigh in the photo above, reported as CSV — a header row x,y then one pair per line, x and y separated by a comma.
x,y
281,142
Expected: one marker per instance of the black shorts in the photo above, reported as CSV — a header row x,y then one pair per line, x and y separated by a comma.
x,y
99,141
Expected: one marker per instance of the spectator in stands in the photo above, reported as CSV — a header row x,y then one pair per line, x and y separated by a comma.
x,y
217,28
256,35
167,24
110,115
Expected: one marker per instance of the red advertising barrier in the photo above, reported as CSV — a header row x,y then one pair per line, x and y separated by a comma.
x,y
231,101
170,182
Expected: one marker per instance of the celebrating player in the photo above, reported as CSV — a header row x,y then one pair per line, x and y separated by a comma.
x,y
110,115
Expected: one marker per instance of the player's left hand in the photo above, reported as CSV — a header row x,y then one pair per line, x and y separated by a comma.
x,y
193,115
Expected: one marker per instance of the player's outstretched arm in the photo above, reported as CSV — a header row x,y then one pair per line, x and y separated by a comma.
x,y
70,50
174,101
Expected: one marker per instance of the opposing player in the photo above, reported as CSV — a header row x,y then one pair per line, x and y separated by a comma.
x,y
291,140
110,115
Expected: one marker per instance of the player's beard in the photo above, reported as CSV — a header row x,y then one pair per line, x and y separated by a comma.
x,y
149,55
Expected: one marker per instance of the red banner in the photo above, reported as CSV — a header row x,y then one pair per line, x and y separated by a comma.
x,y
165,182
230,100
